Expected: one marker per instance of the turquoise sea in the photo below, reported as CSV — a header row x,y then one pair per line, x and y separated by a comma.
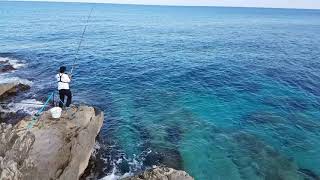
x,y
222,93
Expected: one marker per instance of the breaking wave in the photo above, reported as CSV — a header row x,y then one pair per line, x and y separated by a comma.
x,y
135,165
115,175
7,77
15,63
29,106
16,80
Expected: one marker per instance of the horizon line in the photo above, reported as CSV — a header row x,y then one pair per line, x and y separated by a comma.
x,y
168,5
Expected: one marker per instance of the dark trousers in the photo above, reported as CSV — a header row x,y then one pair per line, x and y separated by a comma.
x,y
62,94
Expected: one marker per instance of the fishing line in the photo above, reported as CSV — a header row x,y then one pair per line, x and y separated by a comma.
x,y
81,39
73,65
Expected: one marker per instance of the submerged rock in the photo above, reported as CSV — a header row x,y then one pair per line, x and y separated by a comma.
x,y
308,174
11,117
51,149
257,160
4,61
161,173
264,118
7,90
6,68
164,156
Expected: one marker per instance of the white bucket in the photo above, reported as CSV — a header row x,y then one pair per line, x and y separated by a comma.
x,y
56,112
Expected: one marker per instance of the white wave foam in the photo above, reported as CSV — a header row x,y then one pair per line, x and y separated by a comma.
x,y
113,175
15,80
96,148
15,63
135,165
29,106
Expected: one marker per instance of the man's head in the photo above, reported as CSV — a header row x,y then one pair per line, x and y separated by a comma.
x,y
63,69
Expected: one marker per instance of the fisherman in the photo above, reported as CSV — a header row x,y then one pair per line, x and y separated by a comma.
x,y
63,86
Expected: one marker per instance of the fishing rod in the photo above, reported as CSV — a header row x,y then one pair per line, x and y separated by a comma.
x,y
81,39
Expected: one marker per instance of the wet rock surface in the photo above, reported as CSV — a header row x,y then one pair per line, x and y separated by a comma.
x,y
8,90
161,173
7,116
11,89
52,148
6,68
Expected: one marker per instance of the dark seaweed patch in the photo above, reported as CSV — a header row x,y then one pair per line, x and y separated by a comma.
x,y
271,101
141,101
123,166
250,153
224,95
296,79
288,104
144,134
152,158
173,134
164,156
263,118
307,124
297,104
248,87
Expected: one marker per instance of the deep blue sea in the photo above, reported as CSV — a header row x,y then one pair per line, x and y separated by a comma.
x,y
223,93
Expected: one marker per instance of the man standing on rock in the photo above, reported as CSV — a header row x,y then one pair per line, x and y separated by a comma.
x,y
63,86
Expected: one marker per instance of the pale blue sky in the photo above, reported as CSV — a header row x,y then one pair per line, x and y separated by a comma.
x,y
309,4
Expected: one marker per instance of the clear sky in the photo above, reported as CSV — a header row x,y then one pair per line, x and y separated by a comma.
x,y
309,4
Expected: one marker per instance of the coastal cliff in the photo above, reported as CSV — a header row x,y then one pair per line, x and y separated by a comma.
x,y
51,149
56,148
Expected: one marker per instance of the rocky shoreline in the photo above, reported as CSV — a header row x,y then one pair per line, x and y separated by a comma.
x,y
161,173
53,148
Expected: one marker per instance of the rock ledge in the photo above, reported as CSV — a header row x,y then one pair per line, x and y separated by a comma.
x,y
51,149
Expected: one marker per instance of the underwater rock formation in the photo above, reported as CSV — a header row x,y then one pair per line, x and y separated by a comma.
x,y
256,160
6,68
308,174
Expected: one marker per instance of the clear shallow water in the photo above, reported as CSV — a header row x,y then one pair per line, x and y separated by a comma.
x,y
223,93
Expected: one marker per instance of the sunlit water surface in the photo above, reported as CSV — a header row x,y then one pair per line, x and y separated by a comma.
x,y
223,93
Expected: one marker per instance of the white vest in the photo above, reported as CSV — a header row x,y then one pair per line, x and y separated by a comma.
x,y
63,81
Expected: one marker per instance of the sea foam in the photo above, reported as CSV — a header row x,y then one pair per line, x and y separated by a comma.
x,y
15,63
29,106
16,80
